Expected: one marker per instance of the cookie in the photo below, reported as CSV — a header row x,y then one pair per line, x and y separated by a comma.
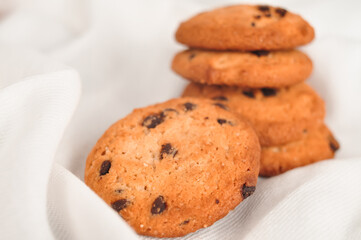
x,y
175,167
246,69
245,28
316,144
278,115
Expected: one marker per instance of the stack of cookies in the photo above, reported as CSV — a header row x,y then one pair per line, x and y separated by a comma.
x,y
244,58
172,168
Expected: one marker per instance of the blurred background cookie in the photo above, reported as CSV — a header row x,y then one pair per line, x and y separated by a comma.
x,y
248,69
278,115
316,144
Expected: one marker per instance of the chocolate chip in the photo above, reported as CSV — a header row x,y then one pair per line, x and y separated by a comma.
x,y
257,16
253,24
158,206
263,8
260,53
104,168
189,106
221,106
217,201
185,222
220,98
249,94
268,92
247,191
118,190
167,149
120,204
268,15
191,56
153,120
221,121
282,12
334,145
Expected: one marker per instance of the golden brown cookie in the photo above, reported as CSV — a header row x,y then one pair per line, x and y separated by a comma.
x,y
246,69
245,28
316,144
278,115
175,167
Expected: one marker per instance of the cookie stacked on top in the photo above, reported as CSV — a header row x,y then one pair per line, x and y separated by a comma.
x,y
243,57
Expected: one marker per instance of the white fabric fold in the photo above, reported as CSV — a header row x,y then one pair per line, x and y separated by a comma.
x,y
34,113
76,212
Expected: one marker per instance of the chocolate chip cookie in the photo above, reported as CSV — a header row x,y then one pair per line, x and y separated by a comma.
x,y
245,28
317,143
246,69
279,115
175,167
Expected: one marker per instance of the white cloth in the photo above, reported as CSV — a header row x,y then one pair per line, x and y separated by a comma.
x,y
120,52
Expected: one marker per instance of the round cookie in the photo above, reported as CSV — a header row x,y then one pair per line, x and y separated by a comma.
x,y
279,115
245,28
175,167
246,69
316,144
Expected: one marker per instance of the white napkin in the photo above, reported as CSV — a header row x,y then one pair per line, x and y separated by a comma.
x,y
122,51
34,111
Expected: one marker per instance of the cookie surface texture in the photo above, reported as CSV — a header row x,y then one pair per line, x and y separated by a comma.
x,y
172,168
279,115
245,28
316,144
245,69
